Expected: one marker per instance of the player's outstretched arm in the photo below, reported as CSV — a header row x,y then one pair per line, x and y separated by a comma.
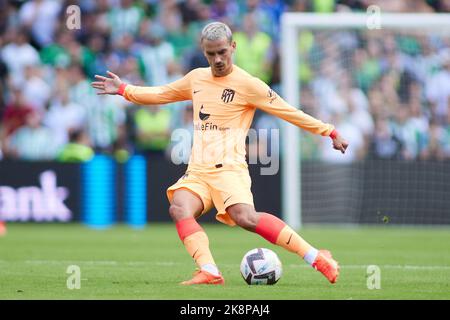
x,y
106,85
263,97
178,90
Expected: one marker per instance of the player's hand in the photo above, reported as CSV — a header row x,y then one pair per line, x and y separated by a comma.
x,y
339,143
106,85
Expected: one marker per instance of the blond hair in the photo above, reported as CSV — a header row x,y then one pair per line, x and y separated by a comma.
x,y
215,31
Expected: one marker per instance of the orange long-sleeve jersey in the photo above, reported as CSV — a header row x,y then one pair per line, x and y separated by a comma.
x,y
223,112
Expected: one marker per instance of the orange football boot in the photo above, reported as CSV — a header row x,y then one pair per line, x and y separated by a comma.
x,y
327,265
204,277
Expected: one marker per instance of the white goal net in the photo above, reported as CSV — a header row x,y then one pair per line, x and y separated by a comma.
x,y
386,87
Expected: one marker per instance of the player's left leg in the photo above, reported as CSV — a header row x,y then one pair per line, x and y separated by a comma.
x,y
278,232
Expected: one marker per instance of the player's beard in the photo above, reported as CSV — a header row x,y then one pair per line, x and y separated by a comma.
x,y
221,70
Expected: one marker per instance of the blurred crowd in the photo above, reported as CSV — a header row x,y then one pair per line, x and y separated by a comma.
x,y
387,92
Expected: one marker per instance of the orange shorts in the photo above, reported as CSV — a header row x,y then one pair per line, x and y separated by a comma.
x,y
221,189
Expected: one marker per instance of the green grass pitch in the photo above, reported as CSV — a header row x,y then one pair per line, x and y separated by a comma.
x,y
125,263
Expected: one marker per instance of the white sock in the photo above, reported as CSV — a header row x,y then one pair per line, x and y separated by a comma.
x,y
311,255
211,268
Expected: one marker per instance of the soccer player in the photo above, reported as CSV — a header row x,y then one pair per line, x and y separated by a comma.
x,y
2,228
224,100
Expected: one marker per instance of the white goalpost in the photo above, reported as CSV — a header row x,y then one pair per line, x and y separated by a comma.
x,y
291,25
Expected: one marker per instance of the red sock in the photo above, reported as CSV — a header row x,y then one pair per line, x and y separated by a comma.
x,y
269,227
186,227
279,233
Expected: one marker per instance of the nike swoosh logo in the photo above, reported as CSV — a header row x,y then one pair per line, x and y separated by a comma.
x,y
227,199
194,254
289,239
195,91
203,116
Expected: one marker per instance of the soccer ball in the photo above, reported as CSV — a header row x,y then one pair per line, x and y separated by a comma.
x,y
261,266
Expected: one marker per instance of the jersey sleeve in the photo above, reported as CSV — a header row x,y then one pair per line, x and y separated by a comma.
x,y
178,90
261,96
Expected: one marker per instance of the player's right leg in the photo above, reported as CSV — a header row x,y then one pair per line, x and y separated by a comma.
x,y
184,207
